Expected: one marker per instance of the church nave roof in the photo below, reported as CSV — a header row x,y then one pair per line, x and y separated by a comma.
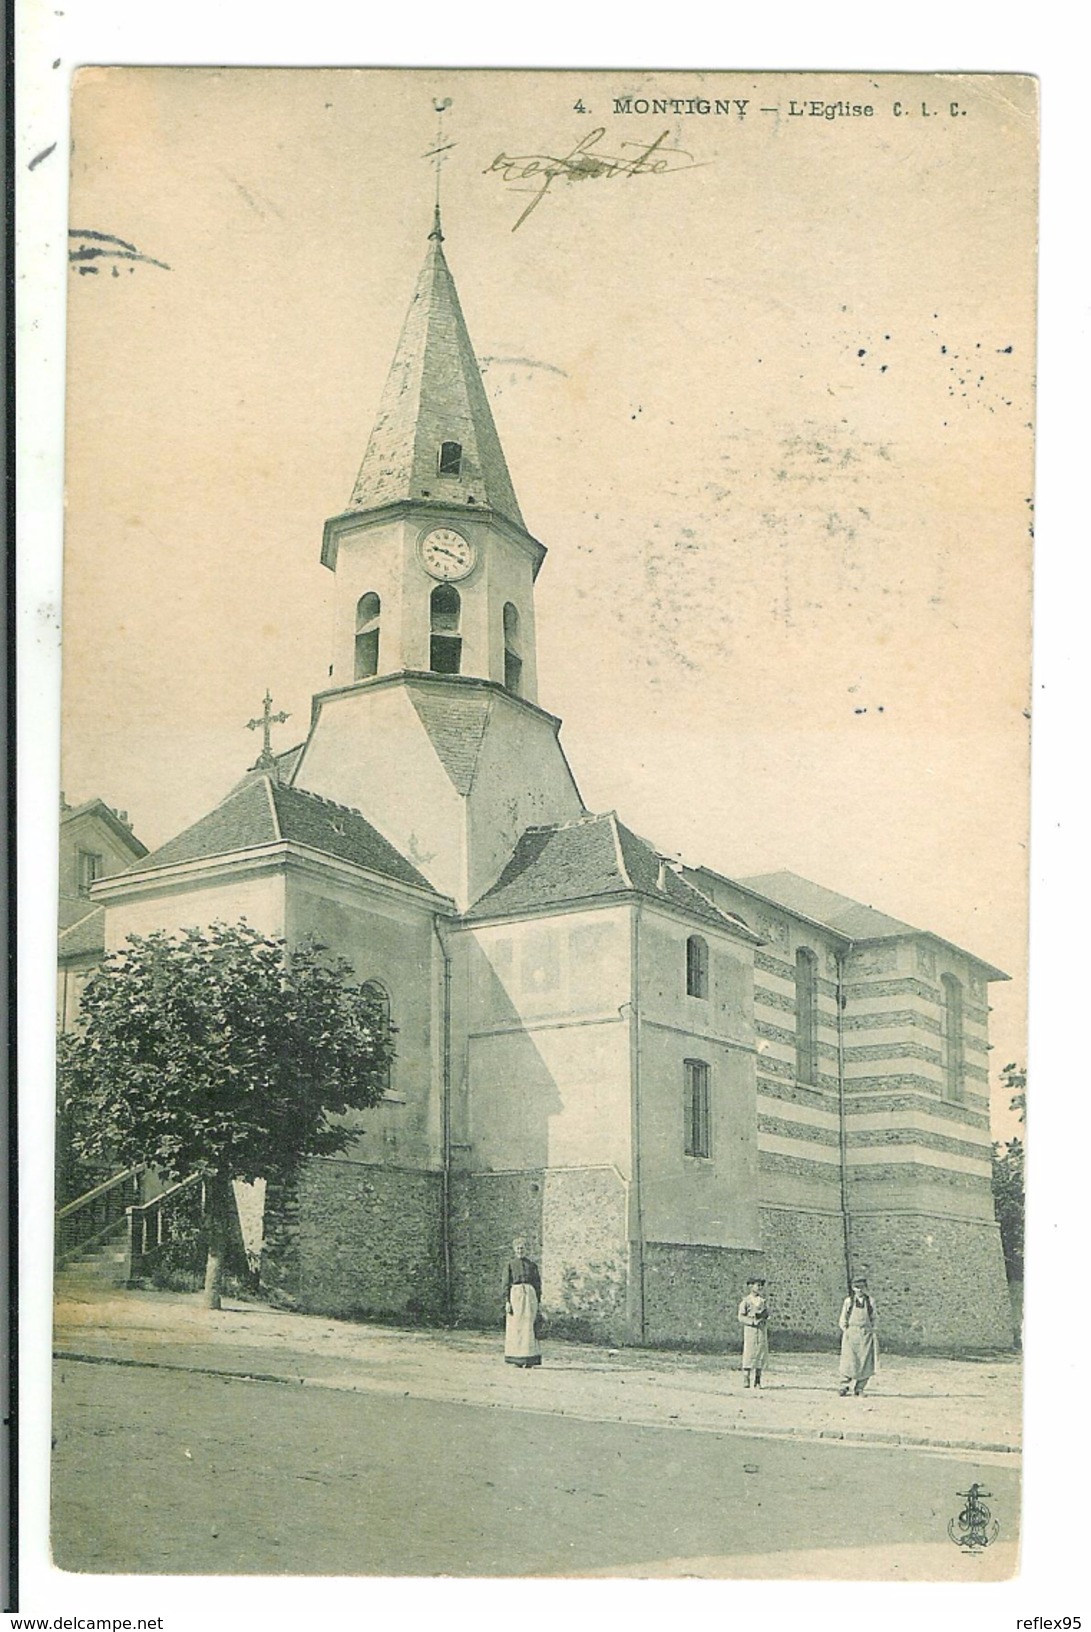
x,y
594,856
260,810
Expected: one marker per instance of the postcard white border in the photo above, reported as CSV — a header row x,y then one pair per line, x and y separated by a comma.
x,y
569,34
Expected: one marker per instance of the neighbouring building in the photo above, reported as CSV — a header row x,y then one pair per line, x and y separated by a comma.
x,y
664,1078
95,842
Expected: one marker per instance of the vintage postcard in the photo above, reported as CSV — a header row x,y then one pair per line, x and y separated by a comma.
x,y
543,844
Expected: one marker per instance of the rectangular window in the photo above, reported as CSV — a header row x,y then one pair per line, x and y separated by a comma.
x,y
698,1132
89,867
952,1052
696,967
450,458
806,1016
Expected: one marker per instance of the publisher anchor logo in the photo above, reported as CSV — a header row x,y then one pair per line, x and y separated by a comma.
x,y
975,1528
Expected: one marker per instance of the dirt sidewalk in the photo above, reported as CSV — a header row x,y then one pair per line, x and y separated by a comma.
x,y
961,1404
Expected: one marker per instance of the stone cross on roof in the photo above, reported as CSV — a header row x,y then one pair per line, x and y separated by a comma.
x,y
266,760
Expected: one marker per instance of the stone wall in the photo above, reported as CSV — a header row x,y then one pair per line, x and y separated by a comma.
x,y
939,1283
488,1210
804,1256
351,1238
574,1222
692,1294
356,1239
585,1275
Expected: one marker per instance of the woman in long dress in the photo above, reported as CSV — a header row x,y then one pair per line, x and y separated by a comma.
x,y
754,1320
859,1339
522,1293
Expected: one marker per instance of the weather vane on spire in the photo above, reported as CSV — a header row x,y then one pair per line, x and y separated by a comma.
x,y
266,761
436,153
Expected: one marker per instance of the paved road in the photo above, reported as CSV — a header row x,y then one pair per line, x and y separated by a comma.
x,y
164,1472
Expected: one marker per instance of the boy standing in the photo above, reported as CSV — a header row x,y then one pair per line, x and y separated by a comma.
x,y
754,1320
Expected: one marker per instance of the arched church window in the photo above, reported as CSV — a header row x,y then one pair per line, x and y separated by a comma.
x,y
513,662
806,1016
446,652
367,637
697,966
951,1052
450,458
376,992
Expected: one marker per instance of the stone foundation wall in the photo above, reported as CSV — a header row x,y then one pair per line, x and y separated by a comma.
x,y
354,1239
585,1272
692,1294
574,1222
804,1256
939,1283
488,1210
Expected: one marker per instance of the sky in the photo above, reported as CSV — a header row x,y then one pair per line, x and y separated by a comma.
x,y
769,407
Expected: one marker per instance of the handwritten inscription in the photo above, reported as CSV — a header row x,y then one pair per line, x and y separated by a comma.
x,y
587,161
88,251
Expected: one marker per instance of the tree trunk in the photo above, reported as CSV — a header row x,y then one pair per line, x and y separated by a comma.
x,y
218,1203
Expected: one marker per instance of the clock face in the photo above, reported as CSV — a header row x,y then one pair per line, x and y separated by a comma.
x,y
446,554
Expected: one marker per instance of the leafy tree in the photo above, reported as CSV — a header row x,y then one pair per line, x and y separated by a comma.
x,y
1009,1176
222,1053
1014,1079
1008,1197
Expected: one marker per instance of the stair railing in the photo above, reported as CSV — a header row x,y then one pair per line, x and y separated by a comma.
x,y
151,1224
94,1216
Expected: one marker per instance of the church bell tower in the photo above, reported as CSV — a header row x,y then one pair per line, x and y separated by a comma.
x,y
434,566
430,725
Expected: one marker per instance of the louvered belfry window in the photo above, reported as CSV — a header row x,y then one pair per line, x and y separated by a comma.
x,y
513,662
367,637
446,648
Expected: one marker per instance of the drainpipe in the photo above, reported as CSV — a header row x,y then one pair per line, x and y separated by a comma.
x,y
842,1129
445,1182
637,1241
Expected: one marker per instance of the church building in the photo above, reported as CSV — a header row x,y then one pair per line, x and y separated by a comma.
x,y
663,1078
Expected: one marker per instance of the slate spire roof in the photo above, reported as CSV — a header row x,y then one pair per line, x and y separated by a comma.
x,y
433,395
593,857
260,810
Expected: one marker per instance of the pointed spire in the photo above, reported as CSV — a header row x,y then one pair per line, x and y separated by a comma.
x,y
434,414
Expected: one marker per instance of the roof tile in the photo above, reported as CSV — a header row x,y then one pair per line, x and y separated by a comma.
x,y
594,857
86,935
456,729
260,810
434,394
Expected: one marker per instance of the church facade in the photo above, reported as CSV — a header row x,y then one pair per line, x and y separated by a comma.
x,y
665,1079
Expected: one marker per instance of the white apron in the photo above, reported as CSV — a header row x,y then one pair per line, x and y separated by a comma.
x,y
521,1347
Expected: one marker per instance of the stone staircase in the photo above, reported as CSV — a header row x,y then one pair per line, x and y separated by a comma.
x,y
104,1264
110,1237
